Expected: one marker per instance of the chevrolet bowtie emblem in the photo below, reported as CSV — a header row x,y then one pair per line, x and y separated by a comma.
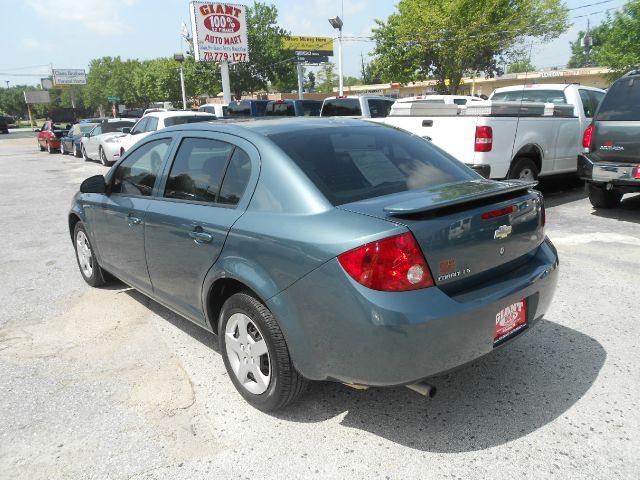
x,y
502,232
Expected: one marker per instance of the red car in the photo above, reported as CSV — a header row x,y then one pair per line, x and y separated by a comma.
x,y
49,136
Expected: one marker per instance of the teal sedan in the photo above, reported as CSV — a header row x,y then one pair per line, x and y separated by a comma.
x,y
320,249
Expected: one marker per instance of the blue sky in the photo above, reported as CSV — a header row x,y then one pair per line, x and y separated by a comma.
x,y
69,33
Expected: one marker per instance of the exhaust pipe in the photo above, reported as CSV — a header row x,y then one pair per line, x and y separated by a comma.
x,y
423,389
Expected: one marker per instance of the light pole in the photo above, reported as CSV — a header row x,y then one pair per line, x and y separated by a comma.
x,y
179,57
337,24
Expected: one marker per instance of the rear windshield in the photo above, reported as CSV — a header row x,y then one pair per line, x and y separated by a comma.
x,y
170,121
357,163
337,107
110,127
239,109
311,108
280,109
531,95
622,101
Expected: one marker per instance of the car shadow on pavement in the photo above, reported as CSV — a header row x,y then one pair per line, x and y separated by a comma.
x,y
561,189
628,211
502,397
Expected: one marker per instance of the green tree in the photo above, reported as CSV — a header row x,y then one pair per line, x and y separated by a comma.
x,y
521,66
327,78
448,38
269,64
310,84
618,40
579,57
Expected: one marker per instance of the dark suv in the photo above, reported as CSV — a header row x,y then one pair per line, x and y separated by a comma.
x,y
611,160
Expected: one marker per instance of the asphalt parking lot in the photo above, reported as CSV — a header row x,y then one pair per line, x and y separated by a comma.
x,y
106,383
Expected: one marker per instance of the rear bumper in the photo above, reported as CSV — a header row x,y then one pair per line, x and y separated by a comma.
x,y
482,169
343,331
623,174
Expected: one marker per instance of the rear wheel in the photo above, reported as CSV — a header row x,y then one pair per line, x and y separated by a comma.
x,y
84,154
87,262
49,149
76,151
62,150
600,197
256,355
523,168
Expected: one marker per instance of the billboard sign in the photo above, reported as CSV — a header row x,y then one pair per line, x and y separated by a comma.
x,y
37,96
69,76
219,32
309,49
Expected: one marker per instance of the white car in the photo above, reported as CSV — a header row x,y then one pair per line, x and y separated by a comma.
x,y
359,106
155,121
100,144
218,109
446,99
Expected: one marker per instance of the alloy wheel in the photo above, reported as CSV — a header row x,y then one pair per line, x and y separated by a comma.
x,y
85,256
248,353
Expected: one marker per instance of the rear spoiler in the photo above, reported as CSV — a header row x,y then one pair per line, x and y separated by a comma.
x,y
437,198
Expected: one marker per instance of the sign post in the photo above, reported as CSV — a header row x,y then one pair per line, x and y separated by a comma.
x,y
220,35
38,96
300,82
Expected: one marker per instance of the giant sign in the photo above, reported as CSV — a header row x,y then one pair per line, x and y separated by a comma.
x,y
69,76
219,32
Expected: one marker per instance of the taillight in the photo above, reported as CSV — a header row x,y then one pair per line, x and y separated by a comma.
x,y
392,264
499,213
637,174
587,137
484,139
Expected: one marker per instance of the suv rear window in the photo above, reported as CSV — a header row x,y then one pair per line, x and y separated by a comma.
x,y
239,109
340,107
622,101
280,109
357,163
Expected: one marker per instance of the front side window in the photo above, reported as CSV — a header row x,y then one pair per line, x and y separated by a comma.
x,y
152,124
197,170
138,173
140,126
97,130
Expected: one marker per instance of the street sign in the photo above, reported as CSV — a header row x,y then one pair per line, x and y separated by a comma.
x,y
37,96
219,32
113,99
69,76
313,46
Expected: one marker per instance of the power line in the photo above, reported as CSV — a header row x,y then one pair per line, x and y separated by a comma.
x,y
590,5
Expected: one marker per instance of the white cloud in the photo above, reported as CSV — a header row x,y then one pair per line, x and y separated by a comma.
x,y
33,44
97,16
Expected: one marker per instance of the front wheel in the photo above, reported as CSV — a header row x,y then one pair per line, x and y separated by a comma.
x,y
87,262
523,168
84,154
62,150
256,355
42,149
600,197
76,151
50,150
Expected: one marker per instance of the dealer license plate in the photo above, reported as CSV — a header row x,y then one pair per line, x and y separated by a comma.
x,y
510,320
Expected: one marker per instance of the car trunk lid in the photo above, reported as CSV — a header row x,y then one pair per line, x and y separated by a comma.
x,y
468,231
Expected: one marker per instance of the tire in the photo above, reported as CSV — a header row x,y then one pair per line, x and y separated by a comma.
x,y
523,168
269,381
103,158
86,257
49,149
62,150
42,149
84,154
600,197
76,151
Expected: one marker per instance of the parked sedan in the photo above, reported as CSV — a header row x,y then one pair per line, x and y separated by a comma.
x,y
99,143
70,143
320,249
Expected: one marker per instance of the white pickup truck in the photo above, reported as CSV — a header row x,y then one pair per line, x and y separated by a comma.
x,y
520,132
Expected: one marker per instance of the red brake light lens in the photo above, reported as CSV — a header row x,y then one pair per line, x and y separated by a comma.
x,y
484,139
392,264
587,137
499,213
637,174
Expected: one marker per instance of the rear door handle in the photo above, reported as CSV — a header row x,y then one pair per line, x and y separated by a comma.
x,y
200,237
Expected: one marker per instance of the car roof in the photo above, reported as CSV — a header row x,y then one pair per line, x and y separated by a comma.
x,y
177,113
542,86
342,97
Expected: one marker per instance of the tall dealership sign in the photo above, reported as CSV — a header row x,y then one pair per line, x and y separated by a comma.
x,y
220,35
69,76
308,50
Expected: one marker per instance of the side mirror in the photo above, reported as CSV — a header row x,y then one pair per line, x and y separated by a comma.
x,y
86,135
126,129
95,184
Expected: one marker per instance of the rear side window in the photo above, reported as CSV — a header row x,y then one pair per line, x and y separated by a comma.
x,y
236,178
338,107
531,95
197,170
170,121
622,101
353,164
138,173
